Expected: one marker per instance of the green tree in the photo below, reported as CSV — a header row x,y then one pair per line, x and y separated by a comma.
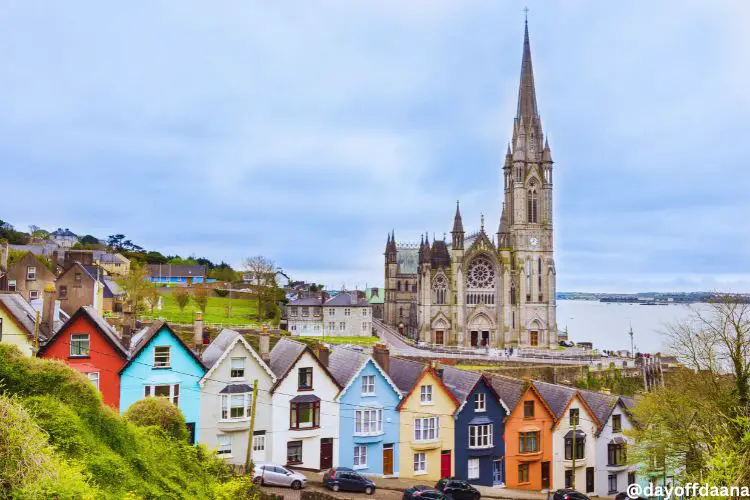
x,y
200,297
154,257
137,288
89,240
161,413
181,297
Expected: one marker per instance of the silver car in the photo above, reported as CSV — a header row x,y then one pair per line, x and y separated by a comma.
x,y
276,475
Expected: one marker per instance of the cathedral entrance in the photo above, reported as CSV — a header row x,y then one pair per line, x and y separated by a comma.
x,y
485,338
439,334
474,338
534,338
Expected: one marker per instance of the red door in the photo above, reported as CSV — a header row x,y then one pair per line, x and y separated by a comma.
x,y
445,464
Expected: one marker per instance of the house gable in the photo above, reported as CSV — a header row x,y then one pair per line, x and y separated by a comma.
x,y
356,378
239,340
429,375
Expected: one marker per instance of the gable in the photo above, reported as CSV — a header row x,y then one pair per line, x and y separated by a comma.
x,y
369,366
484,387
531,394
307,359
577,397
163,335
239,345
440,391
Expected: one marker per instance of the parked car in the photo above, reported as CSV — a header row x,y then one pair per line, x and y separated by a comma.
x,y
566,343
422,491
625,496
566,494
346,479
276,475
456,489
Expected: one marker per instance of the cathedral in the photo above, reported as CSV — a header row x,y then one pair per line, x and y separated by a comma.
x,y
483,289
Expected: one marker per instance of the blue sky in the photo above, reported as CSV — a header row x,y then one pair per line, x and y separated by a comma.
x,y
305,131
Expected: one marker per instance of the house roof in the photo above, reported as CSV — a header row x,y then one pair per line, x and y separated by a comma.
x,y
509,389
404,373
218,349
556,396
344,363
601,404
20,311
460,382
80,267
306,301
178,270
146,335
285,354
346,299
438,378
101,325
60,232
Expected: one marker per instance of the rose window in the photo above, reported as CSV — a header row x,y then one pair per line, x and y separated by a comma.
x,y
481,273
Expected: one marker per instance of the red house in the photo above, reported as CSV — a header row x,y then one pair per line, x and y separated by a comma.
x,y
87,343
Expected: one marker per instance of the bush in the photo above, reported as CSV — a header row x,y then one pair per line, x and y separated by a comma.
x,y
160,413
181,297
221,292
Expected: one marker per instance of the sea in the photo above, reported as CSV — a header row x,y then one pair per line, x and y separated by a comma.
x,y
607,325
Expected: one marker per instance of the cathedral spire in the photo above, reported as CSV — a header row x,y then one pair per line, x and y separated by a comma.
x,y
526,90
458,230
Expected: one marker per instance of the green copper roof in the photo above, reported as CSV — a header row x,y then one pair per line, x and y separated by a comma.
x,y
375,295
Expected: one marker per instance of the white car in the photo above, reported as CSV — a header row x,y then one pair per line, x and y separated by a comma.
x,y
276,475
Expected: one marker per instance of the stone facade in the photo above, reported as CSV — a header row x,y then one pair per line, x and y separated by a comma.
x,y
345,315
482,290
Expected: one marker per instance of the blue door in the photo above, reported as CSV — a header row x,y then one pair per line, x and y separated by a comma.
x,y
497,471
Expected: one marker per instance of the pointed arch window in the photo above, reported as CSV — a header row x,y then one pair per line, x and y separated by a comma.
x,y
528,280
539,279
532,205
519,174
440,288
513,293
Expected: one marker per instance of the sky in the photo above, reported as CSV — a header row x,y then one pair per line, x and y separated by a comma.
x,y
306,131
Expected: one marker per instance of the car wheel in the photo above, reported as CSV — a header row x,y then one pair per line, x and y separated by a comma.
x,y
258,480
369,490
335,487
477,496
296,485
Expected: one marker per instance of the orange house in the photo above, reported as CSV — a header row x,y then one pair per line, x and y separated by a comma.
x,y
528,435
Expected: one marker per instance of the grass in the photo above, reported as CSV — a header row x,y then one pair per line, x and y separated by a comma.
x,y
215,311
363,341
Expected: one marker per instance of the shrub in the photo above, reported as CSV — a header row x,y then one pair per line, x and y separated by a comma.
x,y
160,413
181,297
221,292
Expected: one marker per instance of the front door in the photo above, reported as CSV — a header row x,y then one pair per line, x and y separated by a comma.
x,y
387,459
545,475
485,339
445,464
326,453
497,471
534,338
589,479
439,337
474,338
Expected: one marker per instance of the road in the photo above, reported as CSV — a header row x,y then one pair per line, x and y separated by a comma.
x,y
314,485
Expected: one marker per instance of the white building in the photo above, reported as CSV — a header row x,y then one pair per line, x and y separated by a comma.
x,y
345,315
577,419
304,414
226,398
65,238
613,474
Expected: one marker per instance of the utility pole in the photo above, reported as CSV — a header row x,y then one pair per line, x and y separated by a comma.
x,y
249,454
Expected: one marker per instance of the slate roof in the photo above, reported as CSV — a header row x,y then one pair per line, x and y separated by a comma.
x,y
346,299
176,270
601,404
509,389
306,301
60,232
440,255
343,363
556,396
105,329
236,389
404,372
283,356
21,310
217,347
143,337
460,382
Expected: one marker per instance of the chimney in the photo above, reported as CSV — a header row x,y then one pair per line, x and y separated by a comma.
x,y
382,356
323,354
48,307
438,369
55,260
198,328
4,254
127,335
265,342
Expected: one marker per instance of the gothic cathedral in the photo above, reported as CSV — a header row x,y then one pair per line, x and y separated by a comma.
x,y
481,290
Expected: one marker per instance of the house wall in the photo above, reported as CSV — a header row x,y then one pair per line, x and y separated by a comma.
x,y
103,358
184,370
301,325
18,272
351,400
602,470
516,423
486,456
12,333
353,323
560,465
210,420
443,406
324,388
79,292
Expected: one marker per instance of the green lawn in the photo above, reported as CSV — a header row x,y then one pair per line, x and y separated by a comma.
x,y
364,341
215,313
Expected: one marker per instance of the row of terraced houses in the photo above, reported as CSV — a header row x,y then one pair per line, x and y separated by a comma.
x,y
378,414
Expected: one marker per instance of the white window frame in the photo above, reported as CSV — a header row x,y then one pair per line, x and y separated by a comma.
x,y
425,394
34,294
347,312
226,407
472,468
232,369
174,392
94,379
11,285
224,445
364,311
368,385
342,325
78,340
331,311
31,273
420,463
360,457
368,422
426,428
162,363
259,442
480,402
481,436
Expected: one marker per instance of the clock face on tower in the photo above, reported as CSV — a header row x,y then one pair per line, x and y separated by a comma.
x,y
534,242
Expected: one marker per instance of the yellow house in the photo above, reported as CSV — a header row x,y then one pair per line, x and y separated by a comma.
x,y
17,319
114,263
427,429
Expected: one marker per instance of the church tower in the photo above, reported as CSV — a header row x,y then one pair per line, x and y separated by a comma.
x,y
526,222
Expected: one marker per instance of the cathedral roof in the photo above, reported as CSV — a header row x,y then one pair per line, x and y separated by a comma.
x,y
458,226
440,255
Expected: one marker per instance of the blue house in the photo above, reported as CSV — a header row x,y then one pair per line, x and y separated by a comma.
x,y
161,365
369,421
479,428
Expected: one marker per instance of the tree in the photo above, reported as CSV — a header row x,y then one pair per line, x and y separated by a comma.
x,y
9,233
37,232
137,288
89,240
154,257
262,272
153,296
200,297
182,297
161,413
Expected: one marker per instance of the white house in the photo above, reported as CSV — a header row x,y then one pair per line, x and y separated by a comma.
x,y
226,397
613,475
305,414
345,315
65,238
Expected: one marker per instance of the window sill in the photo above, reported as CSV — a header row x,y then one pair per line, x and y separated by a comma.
x,y
304,389
422,473
426,403
480,411
161,367
369,395
489,446
359,467
79,356
304,428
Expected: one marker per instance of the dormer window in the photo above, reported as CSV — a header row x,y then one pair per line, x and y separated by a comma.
x,y
237,368
161,357
305,379
528,409
79,345
368,385
425,394
616,423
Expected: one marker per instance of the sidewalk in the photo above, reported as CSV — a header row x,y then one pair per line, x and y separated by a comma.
x,y
400,484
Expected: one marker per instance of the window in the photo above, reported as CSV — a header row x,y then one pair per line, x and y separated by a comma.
x,y
294,452
11,285
631,477
79,345
94,378
33,294
304,415
519,174
528,409
539,279
331,326
426,429
77,277
612,481
528,442
425,394
31,273
364,312
342,325
365,326
531,206
224,442
237,368
305,379
236,406
400,312
368,422
473,468
332,312
527,266
360,457
616,454
292,311
580,448
316,311
420,463
573,417
523,473
398,286
480,436
616,423
63,291
305,311
568,478
259,443
171,392
347,312
480,402
161,357
368,385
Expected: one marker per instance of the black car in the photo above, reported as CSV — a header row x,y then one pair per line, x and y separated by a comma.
x,y
423,492
567,494
625,496
345,479
457,490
